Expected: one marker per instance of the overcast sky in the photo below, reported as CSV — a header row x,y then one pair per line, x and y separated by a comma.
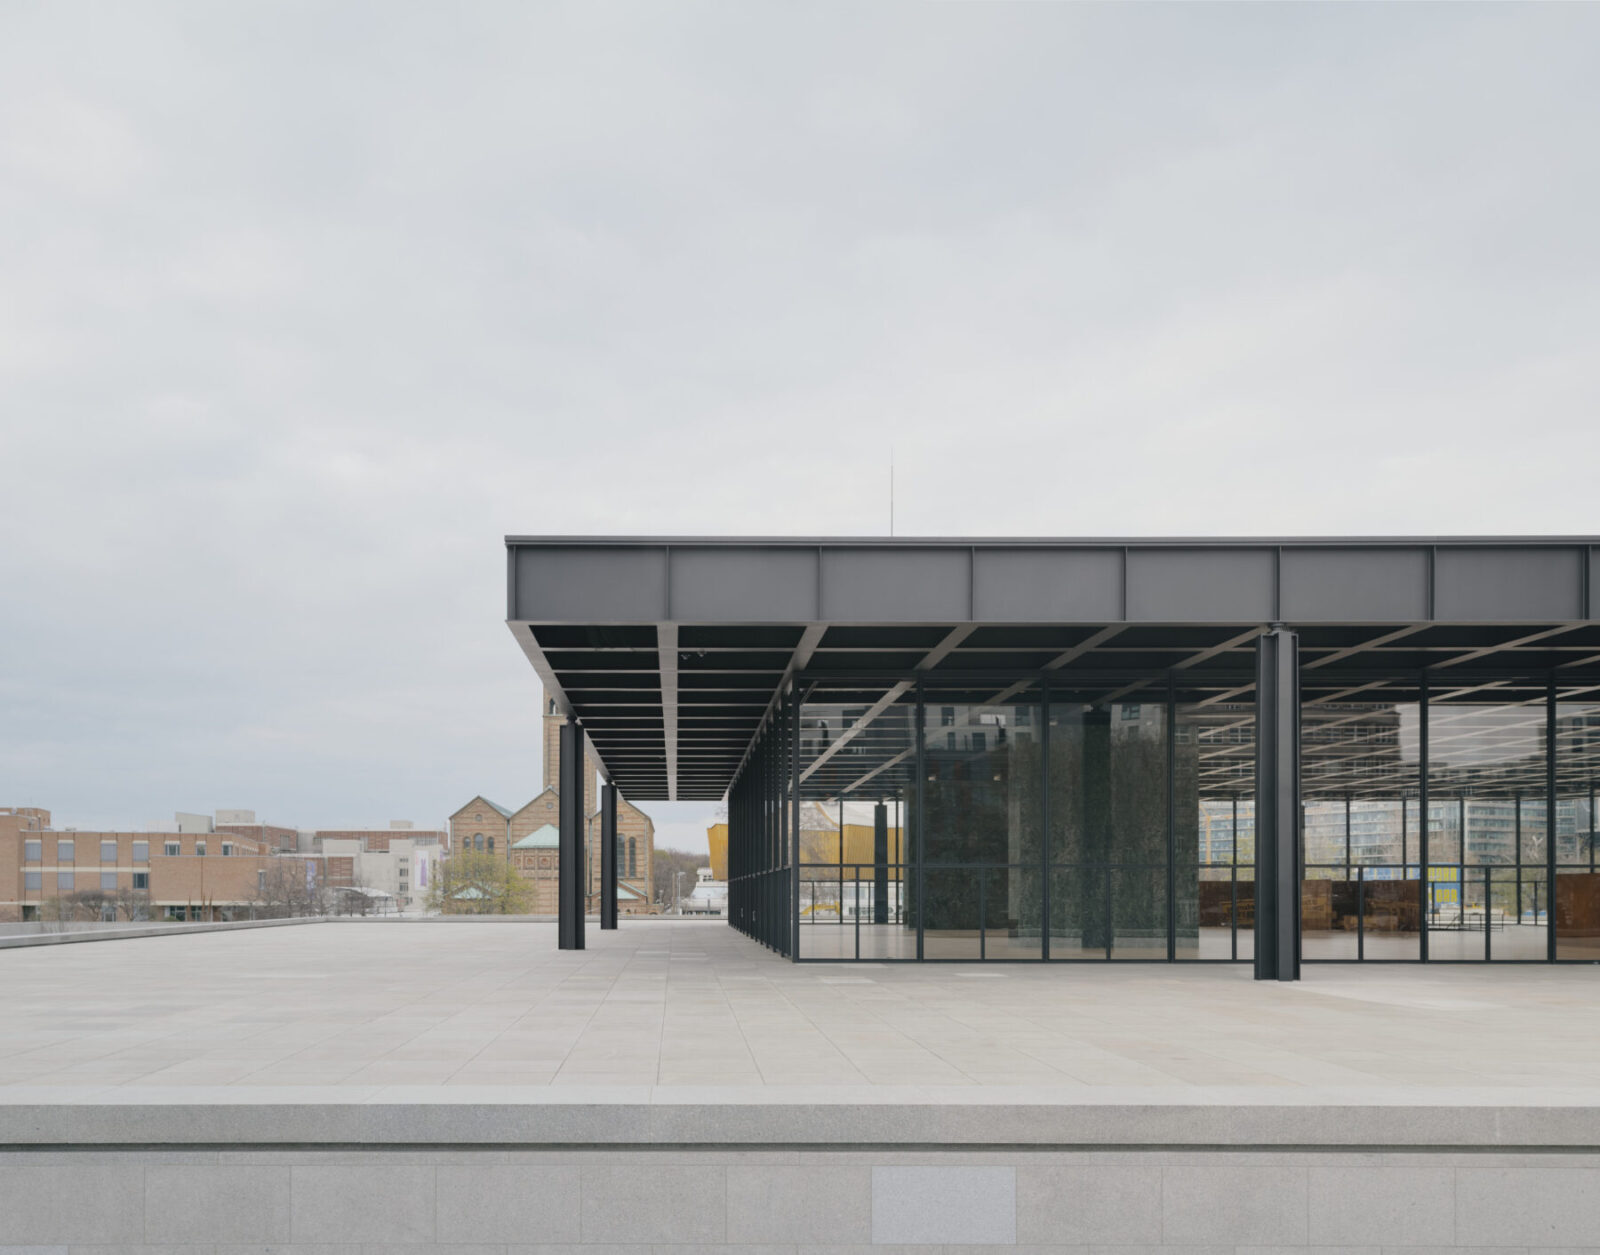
x,y
304,307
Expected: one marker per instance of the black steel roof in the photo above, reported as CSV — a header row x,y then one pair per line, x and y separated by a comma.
x,y
671,651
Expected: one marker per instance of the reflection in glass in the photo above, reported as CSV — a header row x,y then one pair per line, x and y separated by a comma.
x,y
1139,912
1005,935
1577,904
1390,911
950,903
857,752
1108,815
1214,824
1078,910
1487,823
1361,795
982,805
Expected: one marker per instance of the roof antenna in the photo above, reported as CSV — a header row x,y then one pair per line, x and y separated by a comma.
x,y
891,490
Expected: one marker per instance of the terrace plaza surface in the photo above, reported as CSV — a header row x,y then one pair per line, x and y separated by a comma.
x,y
494,1013
676,1089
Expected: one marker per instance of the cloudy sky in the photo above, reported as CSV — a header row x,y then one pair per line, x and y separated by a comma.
x,y
303,307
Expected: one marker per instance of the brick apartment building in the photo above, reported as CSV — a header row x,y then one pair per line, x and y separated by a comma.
x,y
526,836
159,875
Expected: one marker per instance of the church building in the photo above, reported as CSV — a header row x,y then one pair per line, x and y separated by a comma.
x,y
528,837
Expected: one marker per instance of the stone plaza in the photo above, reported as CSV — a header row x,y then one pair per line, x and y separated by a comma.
x,y
456,1085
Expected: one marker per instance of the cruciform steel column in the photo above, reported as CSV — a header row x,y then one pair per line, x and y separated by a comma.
x,y
608,856
1278,805
570,875
880,864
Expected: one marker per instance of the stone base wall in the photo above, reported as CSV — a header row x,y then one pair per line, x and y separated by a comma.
x,y
654,1201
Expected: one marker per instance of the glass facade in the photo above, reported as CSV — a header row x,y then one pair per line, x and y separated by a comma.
x,y
1062,818
1576,742
1361,789
1059,819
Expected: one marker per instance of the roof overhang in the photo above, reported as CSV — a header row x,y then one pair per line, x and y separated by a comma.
x,y
672,651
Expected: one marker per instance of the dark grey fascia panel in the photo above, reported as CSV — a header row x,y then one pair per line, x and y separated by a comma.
x,y
601,580
1201,585
1047,585
754,584
590,584
895,585
1475,584
1352,585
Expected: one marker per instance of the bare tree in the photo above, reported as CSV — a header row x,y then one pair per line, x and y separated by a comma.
x,y
133,904
55,914
92,904
285,889
669,864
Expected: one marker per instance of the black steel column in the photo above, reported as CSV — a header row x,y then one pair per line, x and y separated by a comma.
x,y
1549,822
1278,805
1424,882
880,864
792,729
570,884
608,856
919,836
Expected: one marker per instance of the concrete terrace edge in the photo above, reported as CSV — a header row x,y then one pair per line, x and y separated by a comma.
x,y
1535,1123
21,941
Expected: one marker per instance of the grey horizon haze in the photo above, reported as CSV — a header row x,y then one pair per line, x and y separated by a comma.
x,y
304,307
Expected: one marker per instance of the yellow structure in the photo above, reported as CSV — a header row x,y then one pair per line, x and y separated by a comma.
x,y
821,842
717,839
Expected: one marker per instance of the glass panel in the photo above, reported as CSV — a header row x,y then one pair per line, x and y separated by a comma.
x,y
982,792
1246,932
1108,782
1218,914
1514,914
1108,829
1011,904
1139,912
951,906
1487,822
1577,914
1390,911
1214,820
141,851
1577,907
897,937
1361,790
1078,912
108,851
822,903
857,755
1328,915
